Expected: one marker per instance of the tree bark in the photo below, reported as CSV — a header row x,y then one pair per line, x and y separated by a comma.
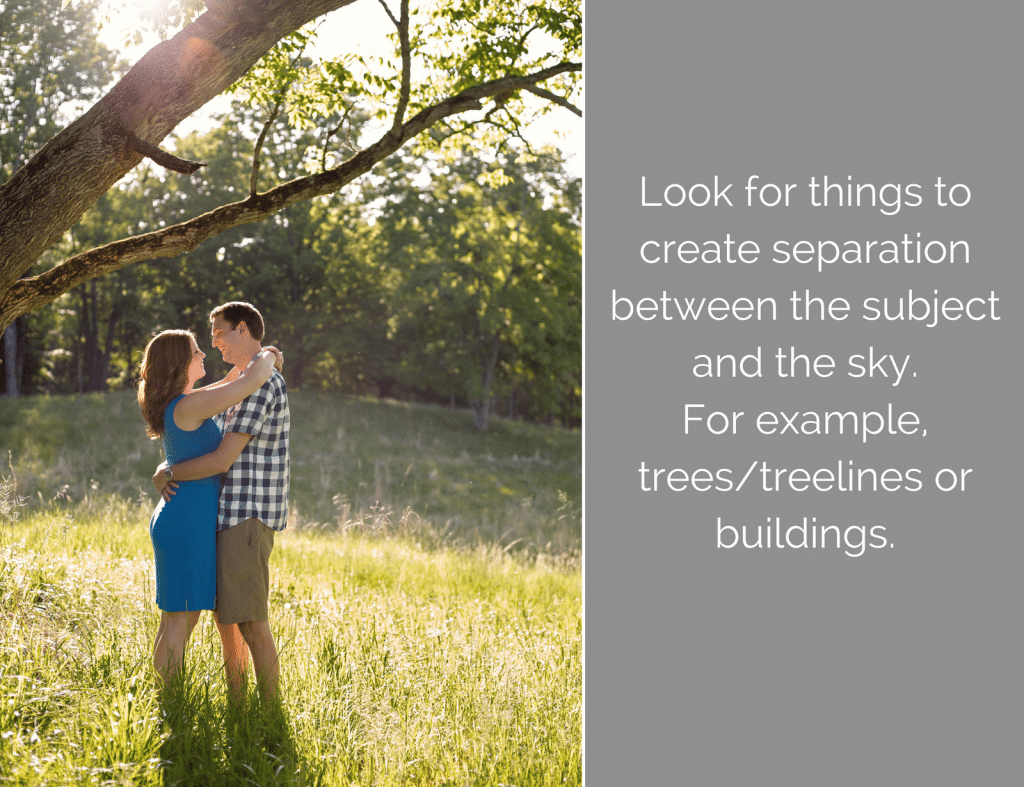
x,y
90,335
482,406
384,386
108,346
11,360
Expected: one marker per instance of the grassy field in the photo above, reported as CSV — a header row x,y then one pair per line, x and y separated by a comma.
x,y
426,601
356,463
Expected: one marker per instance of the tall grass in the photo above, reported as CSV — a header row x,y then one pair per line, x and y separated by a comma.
x,y
419,644
400,665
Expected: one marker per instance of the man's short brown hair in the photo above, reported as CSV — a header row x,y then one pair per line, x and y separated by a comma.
x,y
240,311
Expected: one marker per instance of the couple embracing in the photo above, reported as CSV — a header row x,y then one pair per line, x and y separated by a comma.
x,y
224,491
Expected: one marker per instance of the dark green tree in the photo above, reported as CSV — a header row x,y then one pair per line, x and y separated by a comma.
x,y
488,300
50,63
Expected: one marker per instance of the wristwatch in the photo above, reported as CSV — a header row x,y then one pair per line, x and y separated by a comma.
x,y
168,474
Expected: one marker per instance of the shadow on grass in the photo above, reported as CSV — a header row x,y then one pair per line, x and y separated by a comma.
x,y
211,744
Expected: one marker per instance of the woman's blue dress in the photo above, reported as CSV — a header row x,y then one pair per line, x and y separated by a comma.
x,y
184,528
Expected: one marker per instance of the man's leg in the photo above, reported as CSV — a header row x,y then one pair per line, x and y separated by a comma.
x,y
236,659
232,582
260,640
243,590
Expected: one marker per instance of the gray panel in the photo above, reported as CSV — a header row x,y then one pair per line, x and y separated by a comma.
x,y
714,666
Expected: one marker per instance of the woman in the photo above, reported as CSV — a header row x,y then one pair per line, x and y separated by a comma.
x,y
183,528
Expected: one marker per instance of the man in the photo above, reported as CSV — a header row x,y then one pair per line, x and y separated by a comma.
x,y
253,501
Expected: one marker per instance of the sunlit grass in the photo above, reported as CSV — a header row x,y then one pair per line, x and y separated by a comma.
x,y
400,665
426,601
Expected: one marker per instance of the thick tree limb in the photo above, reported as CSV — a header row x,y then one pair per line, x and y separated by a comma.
x,y
28,294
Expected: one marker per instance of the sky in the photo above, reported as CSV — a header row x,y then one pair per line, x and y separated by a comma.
x,y
360,28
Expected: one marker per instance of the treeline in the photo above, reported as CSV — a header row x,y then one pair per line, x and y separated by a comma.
x,y
441,277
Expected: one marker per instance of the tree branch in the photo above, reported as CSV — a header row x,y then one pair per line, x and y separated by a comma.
x,y
336,131
555,99
259,145
327,144
27,294
162,157
512,131
278,103
403,96
388,12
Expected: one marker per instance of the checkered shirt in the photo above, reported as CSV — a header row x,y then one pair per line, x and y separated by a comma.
x,y
256,486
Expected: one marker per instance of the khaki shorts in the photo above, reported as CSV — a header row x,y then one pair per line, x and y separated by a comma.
x,y
243,571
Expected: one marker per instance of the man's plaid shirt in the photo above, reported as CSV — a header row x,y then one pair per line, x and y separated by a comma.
x,y
256,486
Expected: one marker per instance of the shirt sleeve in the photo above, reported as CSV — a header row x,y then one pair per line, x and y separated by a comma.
x,y
250,414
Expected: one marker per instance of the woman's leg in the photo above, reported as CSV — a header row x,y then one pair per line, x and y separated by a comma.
x,y
171,641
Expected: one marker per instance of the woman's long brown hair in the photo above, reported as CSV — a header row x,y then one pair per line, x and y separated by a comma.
x,y
163,376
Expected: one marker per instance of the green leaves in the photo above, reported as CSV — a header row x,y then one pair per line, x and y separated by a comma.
x,y
453,46
312,92
487,40
49,76
489,285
